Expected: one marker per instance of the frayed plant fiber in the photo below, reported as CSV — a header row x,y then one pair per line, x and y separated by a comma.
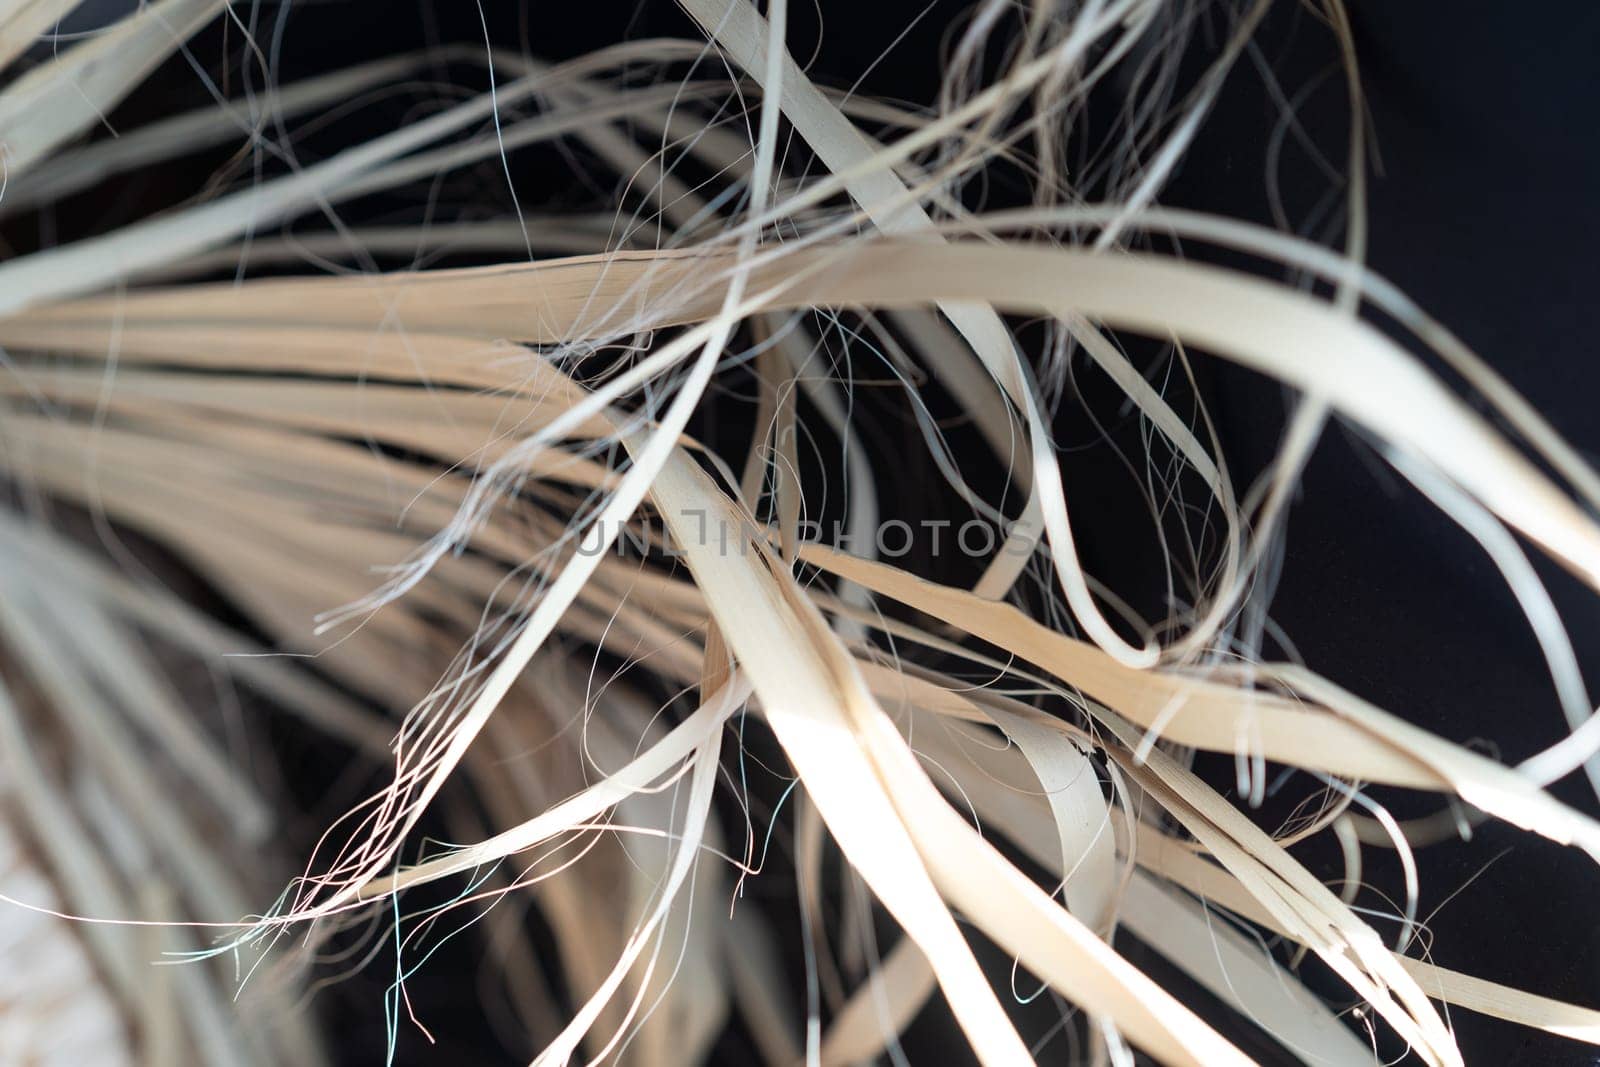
x,y
566,554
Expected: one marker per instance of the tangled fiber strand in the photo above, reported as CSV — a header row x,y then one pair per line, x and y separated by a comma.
x,y
541,539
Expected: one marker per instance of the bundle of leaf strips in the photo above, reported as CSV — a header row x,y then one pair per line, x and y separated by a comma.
x,y
473,495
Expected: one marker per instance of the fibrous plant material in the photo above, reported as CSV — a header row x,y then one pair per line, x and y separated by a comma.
x,y
588,557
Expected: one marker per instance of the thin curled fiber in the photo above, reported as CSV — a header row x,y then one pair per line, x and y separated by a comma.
x,y
473,504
